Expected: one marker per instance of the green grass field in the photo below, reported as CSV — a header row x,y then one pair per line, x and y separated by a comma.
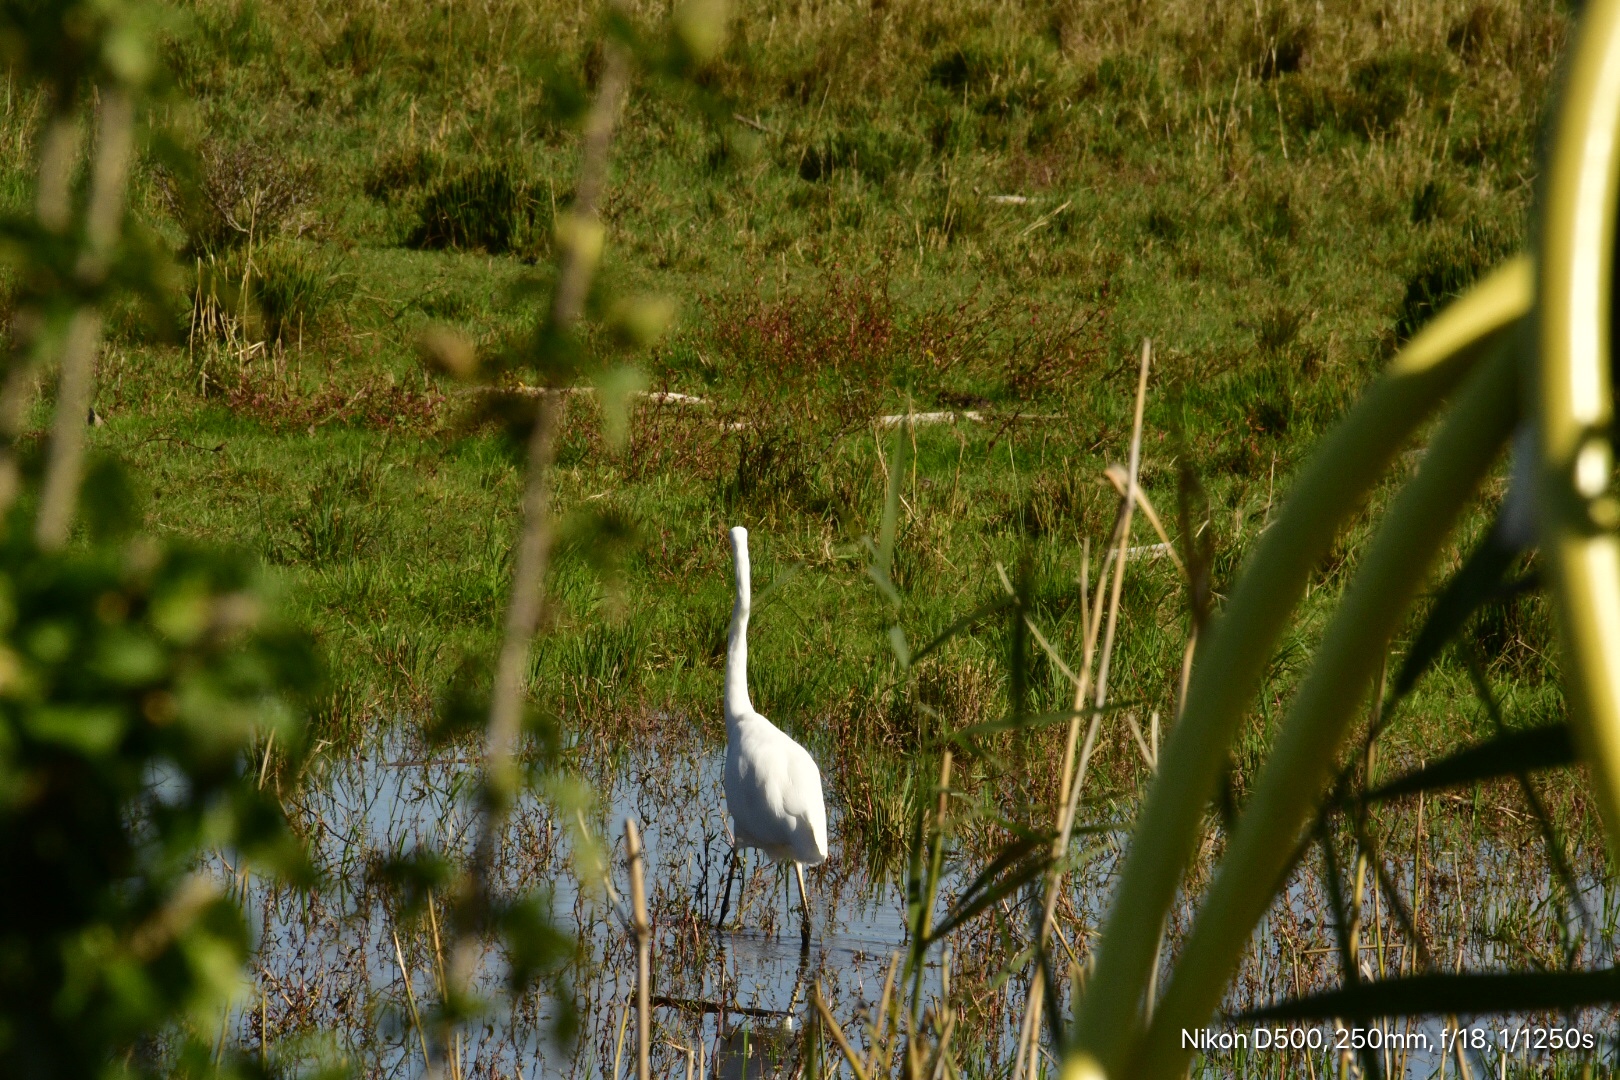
x,y
859,209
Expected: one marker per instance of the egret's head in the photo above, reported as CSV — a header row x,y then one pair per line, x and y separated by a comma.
x,y
739,542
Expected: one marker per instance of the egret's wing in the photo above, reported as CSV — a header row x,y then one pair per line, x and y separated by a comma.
x,y
800,782
801,793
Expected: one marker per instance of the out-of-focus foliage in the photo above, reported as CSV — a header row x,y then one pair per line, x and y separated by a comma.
x,y
134,681
484,208
150,704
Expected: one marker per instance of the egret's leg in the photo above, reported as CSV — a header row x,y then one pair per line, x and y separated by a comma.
x,y
799,982
725,902
804,900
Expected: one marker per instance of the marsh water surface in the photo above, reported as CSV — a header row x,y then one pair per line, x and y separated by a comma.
x,y
342,964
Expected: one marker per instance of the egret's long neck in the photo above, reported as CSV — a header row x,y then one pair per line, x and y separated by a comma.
x,y
737,703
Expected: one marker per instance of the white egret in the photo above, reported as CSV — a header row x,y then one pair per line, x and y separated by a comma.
x,y
773,788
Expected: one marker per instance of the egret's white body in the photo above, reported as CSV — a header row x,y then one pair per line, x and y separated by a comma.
x,y
773,788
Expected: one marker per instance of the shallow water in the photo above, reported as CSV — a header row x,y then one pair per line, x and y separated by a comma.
x,y
733,1003
329,961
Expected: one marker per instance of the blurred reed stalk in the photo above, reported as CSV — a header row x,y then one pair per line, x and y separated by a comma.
x,y
580,240
74,337
109,177
641,929
1074,777
1227,671
1291,784
580,237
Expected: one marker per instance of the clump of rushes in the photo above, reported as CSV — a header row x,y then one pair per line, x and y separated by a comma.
x,y
486,207
401,171
1447,266
275,293
294,290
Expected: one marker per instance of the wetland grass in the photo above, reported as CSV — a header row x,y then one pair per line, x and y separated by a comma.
x,y
875,211
1440,880
1272,283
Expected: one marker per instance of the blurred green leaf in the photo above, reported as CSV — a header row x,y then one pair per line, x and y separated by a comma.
x,y
897,644
1470,587
1510,754
617,388
640,321
971,619
88,730
1452,995
1016,864
700,26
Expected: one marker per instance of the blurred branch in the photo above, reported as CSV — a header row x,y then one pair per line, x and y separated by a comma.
x,y
64,465
580,239
641,930
109,177
134,795
58,146
580,234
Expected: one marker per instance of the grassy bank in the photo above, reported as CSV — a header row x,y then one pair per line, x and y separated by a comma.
x,y
972,208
